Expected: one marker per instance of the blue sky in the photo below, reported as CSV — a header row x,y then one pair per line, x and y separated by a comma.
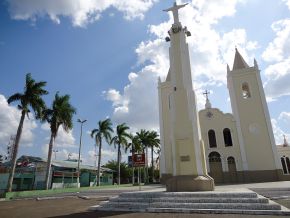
x,y
107,55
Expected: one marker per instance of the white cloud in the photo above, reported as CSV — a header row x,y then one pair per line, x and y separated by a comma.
x,y
10,117
60,154
278,132
114,96
63,139
284,116
287,2
107,154
137,103
139,111
278,79
279,48
91,158
81,12
45,126
278,52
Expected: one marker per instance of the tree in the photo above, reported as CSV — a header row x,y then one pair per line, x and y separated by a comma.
x,y
149,139
30,99
104,130
125,171
143,136
135,144
60,114
136,147
1,159
154,142
121,140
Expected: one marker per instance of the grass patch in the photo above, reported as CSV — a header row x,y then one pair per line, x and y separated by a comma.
x,y
51,192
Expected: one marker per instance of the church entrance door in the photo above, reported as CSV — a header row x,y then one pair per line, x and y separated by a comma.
x,y
215,167
232,170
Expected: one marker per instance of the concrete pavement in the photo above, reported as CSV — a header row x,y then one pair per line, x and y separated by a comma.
x,y
74,206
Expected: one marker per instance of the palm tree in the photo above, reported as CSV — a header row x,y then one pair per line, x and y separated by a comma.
x,y
143,136
104,130
60,114
1,159
135,144
154,142
121,140
31,98
136,147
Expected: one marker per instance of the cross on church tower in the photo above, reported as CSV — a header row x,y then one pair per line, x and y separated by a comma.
x,y
207,104
174,10
206,93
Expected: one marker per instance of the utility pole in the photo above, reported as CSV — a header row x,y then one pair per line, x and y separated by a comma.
x,y
78,178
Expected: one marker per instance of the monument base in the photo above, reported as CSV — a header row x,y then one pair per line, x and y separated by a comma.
x,y
189,184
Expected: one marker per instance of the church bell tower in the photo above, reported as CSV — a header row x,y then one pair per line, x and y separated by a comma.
x,y
255,134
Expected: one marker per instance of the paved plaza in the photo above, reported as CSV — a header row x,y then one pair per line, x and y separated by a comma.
x,y
78,204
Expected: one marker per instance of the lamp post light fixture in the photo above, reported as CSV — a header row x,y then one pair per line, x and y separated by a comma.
x,y
78,178
55,151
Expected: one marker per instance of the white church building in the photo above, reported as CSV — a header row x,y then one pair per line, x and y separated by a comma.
x,y
238,147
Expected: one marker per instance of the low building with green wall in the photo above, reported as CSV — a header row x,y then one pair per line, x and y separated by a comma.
x,y
30,174
64,174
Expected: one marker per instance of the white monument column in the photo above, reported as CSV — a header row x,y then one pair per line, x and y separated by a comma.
x,y
188,158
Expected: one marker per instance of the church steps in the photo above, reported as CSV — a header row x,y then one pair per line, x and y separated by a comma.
x,y
240,206
189,194
193,202
218,211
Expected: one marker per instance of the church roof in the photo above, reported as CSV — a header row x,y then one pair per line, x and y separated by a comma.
x,y
239,62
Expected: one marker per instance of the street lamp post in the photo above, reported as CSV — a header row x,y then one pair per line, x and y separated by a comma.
x,y
78,178
55,151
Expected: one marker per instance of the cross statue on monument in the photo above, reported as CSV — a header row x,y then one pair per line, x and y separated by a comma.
x,y
206,93
174,10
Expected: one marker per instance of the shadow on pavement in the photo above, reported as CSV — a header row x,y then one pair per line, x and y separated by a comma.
x,y
91,214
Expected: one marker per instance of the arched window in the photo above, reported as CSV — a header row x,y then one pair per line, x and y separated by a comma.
x,y
214,157
212,139
284,165
246,90
288,164
227,137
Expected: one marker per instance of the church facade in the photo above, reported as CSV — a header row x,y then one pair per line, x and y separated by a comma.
x,y
197,147
238,147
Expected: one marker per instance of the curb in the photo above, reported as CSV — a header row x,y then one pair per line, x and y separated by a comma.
x,y
48,198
